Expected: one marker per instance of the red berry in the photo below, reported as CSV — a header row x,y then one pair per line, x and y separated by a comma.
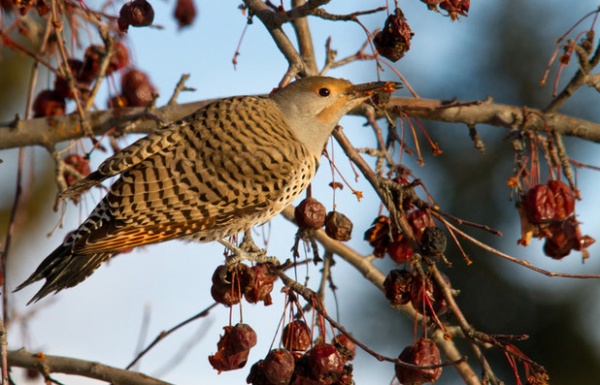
x,y
345,346
296,336
80,164
137,89
540,205
137,13
397,286
393,41
310,214
564,199
48,103
260,287
278,367
325,363
423,353
185,12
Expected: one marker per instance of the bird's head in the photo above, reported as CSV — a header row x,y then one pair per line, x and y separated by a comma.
x,y
313,106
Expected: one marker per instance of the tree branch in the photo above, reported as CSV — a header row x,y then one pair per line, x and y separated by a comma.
x,y
47,132
53,364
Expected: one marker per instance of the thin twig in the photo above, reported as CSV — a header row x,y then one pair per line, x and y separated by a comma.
x,y
165,333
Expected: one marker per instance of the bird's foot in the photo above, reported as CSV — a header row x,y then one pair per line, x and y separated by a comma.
x,y
246,253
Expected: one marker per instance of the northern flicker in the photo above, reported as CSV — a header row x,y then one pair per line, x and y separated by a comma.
x,y
233,164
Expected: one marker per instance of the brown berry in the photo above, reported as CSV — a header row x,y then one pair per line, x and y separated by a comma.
x,y
423,353
378,235
137,89
426,295
564,199
540,205
397,286
296,336
242,337
433,242
310,214
325,363
80,164
338,226
48,103
399,250
278,367
260,287
185,12
345,346
61,85
228,286
456,7
233,348
137,13
393,41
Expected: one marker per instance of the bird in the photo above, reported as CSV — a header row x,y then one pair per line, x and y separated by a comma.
x,y
231,165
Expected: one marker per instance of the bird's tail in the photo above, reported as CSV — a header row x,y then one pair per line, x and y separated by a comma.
x,y
62,269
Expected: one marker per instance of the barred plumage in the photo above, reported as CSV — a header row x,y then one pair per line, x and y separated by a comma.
x,y
229,166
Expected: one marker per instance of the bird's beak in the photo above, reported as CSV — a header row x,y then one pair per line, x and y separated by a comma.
x,y
367,89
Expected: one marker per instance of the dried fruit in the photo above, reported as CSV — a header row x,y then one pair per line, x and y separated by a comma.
x,y
48,103
426,295
325,363
540,205
433,241
119,59
185,12
378,235
136,88
456,7
345,346
242,337
338,226
233,348
393,41
564,237
423,353
228,286
397,286
278,367
61,85
296,336
80,164
137,13
260,287
310,214
419,220
564,199
399,250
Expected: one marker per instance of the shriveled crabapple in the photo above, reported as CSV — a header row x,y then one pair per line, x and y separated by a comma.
x,y
296,336
338,226
393,41
136,13
310,214
48,103
397,286
423,353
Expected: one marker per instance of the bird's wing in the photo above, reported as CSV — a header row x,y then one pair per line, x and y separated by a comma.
x,y
127,158
224,169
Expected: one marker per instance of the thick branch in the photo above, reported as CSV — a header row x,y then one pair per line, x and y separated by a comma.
x,y
54,364
50,131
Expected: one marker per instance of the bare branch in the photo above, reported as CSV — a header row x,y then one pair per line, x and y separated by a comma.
x,y
55,364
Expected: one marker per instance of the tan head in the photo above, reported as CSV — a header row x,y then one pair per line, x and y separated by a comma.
x,y
313,106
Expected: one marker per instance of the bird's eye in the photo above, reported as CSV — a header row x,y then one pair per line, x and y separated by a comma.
x,y
324,92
